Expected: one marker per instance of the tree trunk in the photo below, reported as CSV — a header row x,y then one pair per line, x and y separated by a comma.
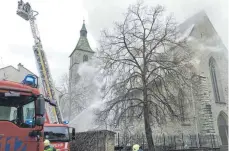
x,y
148,130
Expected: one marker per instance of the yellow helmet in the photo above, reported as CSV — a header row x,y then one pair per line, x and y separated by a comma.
x,y
136,147
46,142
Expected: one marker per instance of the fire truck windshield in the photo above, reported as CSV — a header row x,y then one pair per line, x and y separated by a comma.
x,y
56,133
18,110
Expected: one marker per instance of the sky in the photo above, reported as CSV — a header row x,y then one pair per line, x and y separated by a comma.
x,y
59,23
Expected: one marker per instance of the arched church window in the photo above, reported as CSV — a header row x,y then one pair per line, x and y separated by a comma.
x,y
85,58
213,73
223,127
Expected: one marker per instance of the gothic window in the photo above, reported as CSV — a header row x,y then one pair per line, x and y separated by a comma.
x,y
213,73
223,127
85,58
181,104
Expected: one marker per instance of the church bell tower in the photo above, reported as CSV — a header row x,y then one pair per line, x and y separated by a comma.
x,y
80,54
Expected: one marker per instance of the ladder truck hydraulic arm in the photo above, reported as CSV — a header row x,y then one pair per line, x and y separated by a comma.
x,y
26,12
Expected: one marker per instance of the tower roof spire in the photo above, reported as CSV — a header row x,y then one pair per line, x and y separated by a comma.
x,y
83,31
83,44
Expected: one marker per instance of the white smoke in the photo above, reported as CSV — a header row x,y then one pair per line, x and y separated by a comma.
x,y
84,121
202,47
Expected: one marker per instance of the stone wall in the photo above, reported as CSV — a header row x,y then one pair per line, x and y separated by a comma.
x,y
206,124
216,107
94,141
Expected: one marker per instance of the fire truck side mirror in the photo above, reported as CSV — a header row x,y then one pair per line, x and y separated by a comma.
x,y
40,106
40,121
73,133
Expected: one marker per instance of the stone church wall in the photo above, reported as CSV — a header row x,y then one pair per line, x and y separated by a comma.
x,y
102,140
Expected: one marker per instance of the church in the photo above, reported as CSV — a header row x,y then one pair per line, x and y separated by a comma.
x,y
205,113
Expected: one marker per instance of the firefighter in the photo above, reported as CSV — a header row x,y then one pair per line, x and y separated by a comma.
x,y
47,146
136,147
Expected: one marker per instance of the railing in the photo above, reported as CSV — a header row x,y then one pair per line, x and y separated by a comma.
x,y
165,142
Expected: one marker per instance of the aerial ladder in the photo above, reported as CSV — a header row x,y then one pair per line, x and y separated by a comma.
x,y
53,114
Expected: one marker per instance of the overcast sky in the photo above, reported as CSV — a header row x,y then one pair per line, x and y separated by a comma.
x,y
59,22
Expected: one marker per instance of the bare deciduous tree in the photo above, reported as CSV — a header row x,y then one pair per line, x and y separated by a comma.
x,y
77,98
147,63
71,99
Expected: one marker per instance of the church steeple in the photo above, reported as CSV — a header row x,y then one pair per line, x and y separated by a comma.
x,y
83,31
83,44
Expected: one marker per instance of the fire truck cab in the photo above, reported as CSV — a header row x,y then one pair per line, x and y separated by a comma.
x,y
60,135
18,102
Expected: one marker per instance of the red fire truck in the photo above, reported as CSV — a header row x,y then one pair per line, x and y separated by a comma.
x,y
22,119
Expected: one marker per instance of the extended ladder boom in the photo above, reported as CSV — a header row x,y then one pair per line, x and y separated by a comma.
x,y
26,12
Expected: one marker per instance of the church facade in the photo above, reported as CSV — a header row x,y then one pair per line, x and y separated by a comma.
x,y
205,111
